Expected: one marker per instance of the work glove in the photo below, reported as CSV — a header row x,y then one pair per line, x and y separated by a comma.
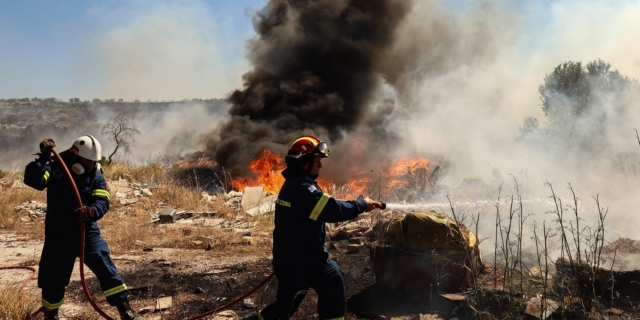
x,y
84,214
46,146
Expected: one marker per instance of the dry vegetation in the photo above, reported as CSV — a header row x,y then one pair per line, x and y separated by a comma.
x,y
507,281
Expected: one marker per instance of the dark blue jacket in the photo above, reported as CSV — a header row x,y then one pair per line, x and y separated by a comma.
x,y
60,221
301,212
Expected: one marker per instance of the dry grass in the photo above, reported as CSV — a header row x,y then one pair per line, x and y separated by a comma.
x,y
17,306
11,197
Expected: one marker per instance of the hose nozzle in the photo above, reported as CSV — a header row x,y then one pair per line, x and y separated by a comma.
x,y
383,205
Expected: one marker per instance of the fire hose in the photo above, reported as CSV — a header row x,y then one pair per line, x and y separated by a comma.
x,y
81,255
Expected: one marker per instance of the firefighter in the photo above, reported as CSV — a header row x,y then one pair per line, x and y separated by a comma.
x,y
62,229
300,260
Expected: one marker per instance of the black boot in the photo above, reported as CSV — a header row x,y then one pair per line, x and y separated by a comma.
x,y
50,314
126,313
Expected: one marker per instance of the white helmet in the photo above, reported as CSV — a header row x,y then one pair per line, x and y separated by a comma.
x,y
87,147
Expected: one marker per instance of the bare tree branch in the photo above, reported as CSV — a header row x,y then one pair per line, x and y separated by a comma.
x,y
122,130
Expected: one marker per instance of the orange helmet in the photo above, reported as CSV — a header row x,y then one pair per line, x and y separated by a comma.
x,y
308,145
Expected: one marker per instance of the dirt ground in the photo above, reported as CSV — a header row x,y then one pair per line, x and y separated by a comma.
x,y
197,280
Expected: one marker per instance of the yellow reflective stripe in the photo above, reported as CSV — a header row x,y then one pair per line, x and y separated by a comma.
x,y
260,315
340,318
46,176
118,289
52,306
319,206
101,193
304,138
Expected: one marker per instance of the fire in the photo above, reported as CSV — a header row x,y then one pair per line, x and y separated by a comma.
x,y
267,168
403,173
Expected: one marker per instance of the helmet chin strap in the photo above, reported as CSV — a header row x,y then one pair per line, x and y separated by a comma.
x,y
310,163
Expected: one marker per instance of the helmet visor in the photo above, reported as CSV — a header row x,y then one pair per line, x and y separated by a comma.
x,y
322,150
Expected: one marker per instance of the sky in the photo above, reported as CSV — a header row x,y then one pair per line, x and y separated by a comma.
x,y
123,49
470,75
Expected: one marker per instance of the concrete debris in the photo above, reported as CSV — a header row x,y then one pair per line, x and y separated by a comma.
x,y
127,193
233,194
233,202
252,197
262,209
163,303
33,209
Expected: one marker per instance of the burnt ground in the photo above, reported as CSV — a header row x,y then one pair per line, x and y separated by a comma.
x,y
196,289
199,280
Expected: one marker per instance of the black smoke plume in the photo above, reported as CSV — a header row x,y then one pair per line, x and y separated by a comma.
x,y
314,71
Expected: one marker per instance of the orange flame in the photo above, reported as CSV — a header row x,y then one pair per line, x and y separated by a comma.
x,y
405,172
268,168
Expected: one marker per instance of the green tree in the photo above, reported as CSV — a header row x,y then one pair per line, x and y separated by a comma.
x,y
573,90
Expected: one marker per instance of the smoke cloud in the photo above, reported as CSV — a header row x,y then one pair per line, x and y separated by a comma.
x,y
316,69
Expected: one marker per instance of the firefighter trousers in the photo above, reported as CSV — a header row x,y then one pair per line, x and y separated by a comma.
x,y
56,265
327,282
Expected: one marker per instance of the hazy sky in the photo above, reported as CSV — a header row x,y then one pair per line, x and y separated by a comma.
x,y
123,49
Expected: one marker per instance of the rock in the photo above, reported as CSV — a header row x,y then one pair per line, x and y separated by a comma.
x,y
167,216
207,197
163,303
198,290
128,201
540,309
146,192
249,303
226,315
145,310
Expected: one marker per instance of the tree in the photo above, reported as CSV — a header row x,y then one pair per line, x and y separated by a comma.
x,y
572,90
122,130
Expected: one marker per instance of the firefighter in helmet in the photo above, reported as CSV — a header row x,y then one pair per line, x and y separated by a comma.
x,y
300,260
62,229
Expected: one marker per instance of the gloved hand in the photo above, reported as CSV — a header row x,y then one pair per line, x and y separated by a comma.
x,y
45,147
371,204
84,214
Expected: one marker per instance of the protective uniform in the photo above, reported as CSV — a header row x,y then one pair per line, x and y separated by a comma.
x,y
300,260
62,230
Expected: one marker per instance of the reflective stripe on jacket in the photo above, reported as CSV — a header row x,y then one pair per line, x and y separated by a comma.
x,y
61,200
301,212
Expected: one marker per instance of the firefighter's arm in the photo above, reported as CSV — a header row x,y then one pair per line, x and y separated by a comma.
x,y
323,207
36,174
99,204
